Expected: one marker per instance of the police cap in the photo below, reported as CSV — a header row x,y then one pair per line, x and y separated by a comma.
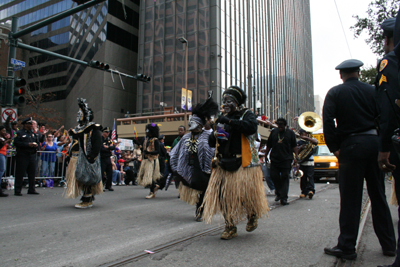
x,y
27,121
106,129
350,65
388,27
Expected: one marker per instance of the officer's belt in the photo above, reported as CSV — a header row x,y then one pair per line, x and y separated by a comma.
x,y
369,132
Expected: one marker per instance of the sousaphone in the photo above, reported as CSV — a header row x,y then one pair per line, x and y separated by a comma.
x,y
310,122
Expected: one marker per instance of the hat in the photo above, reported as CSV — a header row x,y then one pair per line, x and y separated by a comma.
x,y
14,122
121,161
106,129
236,93
302,131
388,27
161,137
27,120
350,65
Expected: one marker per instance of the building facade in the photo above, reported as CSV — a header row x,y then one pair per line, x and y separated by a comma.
x,y
262,46
107,32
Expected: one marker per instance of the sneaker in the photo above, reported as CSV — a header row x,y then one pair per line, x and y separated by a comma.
x,y
302,196
252,224
310,194
229,233
114,183
84,205
151,195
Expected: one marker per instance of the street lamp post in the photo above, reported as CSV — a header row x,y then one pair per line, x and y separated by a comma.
x,y
184,41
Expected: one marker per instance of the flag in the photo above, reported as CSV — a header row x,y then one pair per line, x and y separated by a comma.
x,y
114,132
135,132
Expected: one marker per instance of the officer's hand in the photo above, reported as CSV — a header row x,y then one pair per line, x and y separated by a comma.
x,y
33,144
383,162
337,153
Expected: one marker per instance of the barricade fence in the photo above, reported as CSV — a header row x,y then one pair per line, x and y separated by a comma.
x,y
50,165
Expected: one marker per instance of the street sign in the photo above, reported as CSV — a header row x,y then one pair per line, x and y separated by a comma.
x,y
17,62
5,112
19,67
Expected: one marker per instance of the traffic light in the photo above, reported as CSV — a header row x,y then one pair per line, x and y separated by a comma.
x,y
80,2
19,91
143,78
99,65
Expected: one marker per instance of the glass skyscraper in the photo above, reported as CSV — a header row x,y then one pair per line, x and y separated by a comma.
x,y
106,32
262,46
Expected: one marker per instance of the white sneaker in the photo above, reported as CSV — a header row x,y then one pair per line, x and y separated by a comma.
x,y
113,183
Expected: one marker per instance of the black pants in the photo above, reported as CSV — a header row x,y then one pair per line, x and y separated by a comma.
x,y
358,160
307,180
25,163
280,177
106,167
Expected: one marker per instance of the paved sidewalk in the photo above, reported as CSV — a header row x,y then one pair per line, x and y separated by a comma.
x,y
370,251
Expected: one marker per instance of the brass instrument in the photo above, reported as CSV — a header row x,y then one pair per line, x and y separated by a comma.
x,y
310,122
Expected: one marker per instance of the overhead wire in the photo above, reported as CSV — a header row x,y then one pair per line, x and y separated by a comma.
x,y
344,33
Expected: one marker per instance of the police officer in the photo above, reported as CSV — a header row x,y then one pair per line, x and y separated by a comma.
x,y
354,141
26,143
387,91
105,157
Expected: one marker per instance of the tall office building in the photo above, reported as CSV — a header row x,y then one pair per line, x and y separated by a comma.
x,y
262,46
107,32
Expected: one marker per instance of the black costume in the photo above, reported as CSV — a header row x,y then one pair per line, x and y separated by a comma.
x,y
307,167
353,106
105,156
26,159
86,139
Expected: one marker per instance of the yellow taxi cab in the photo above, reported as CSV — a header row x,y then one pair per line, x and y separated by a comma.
x,y
325,163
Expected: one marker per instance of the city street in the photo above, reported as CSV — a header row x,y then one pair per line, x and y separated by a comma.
x,y
47,230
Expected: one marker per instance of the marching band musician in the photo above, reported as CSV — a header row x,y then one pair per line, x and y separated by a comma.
x,y
282,141
306,165
353,140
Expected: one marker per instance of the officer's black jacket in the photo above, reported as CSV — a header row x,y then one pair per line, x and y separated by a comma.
x,y
353,106
387,78
106,152
22,140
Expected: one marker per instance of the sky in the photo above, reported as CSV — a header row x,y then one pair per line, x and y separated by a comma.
x,y
329,41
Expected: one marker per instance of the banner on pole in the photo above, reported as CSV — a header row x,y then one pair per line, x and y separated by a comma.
x,y
183,103
189,99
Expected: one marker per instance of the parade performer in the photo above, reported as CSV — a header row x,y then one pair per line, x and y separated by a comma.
x,y
191,157
149,172
236,185
84,169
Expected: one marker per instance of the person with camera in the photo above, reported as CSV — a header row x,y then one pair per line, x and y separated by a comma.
x,y
387,91
349,115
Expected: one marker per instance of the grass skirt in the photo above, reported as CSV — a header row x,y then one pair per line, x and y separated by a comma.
x,y
188,195
149,171
75,188
236,195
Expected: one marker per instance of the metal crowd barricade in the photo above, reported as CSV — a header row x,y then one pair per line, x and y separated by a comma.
x,y
45,167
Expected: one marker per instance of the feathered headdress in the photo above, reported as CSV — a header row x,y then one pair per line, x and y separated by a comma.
x,y
87,112
203,111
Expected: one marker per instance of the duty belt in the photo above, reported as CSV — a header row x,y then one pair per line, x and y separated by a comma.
x,y
369,132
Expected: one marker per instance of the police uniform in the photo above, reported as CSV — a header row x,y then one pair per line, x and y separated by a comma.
x,y
353,106
105,156
26,158
387,90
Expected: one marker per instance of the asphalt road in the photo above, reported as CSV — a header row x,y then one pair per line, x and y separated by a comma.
x,y
46,230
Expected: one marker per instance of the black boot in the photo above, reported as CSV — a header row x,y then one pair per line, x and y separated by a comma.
x,y
2,194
